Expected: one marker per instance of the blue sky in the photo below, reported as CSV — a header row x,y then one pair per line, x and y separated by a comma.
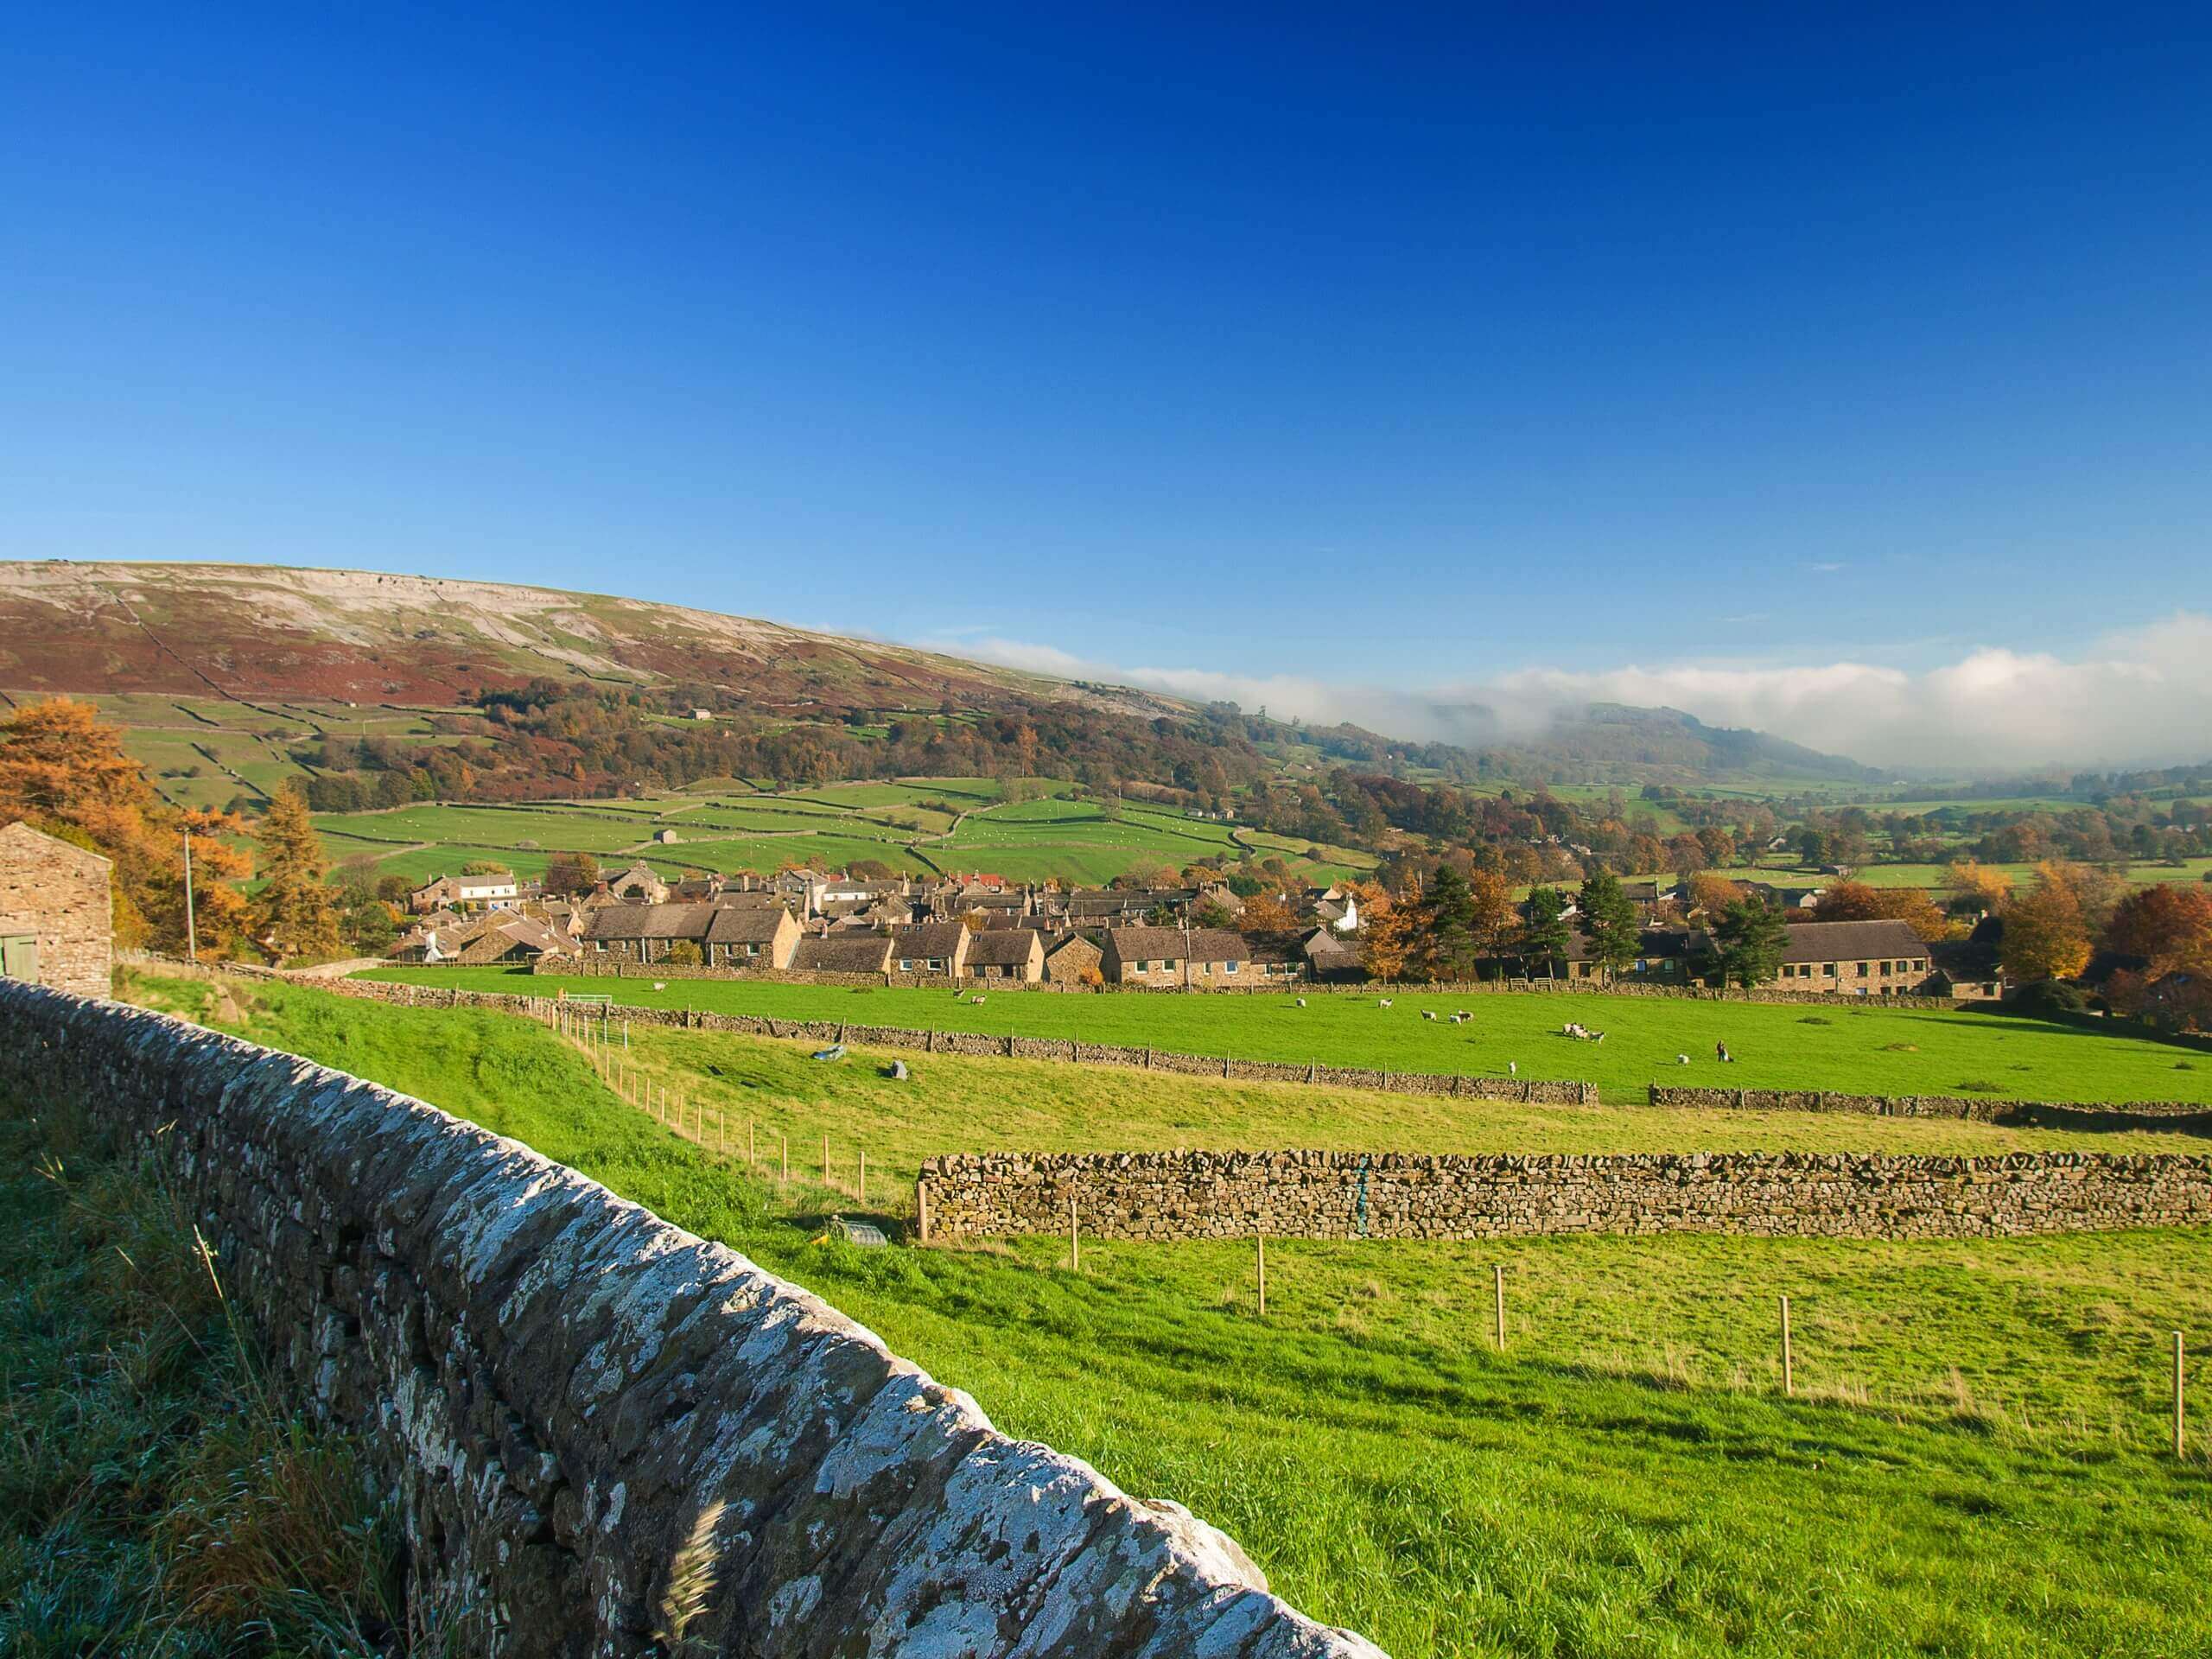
x,y
1374,348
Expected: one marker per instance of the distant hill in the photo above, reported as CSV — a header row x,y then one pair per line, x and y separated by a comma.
x,y
249,632
1610,742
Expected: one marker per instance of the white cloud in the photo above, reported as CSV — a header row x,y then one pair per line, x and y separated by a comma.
x,y
2140,698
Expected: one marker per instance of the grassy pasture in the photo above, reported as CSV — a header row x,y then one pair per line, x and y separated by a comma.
x,y
1971,1467
1865,1050
828,827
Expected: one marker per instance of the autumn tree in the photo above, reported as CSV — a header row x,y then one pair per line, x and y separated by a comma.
x,y
1492,899
1609,921
1389,936
2168,925
1750,935
1268,912
1713,893
66,773
1855,901
571,873
1977,886
295,915
2046,933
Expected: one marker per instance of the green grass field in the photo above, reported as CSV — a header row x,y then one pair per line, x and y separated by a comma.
x,y
827,827
1865,1050
1972,1466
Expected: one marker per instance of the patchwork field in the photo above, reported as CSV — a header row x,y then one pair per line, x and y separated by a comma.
x,y
1869,1050
1972,1464
919,827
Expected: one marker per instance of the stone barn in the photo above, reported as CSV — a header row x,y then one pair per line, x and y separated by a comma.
x,y
57,919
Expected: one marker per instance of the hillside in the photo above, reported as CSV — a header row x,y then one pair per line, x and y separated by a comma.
x,y
222,659
252,631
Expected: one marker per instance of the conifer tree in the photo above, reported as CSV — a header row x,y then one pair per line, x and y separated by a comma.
x,y
296,915
1751,935
1609,921
1543,928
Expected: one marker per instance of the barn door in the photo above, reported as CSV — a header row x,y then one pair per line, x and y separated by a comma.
x,y
19,957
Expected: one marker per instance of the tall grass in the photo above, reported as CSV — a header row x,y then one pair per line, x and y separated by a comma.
x,y
158,1495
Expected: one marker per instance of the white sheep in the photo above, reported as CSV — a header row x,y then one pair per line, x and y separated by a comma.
x,y
1682,1059
1302,1001
1513,1068
1384,1001
1428,1014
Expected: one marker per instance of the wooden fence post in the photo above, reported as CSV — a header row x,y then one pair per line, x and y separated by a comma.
x,y
862,1194
1788,1371
1498,1287
1260,1250
1075,1238
2177,1395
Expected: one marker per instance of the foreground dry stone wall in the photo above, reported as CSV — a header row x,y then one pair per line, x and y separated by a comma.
x,y
606,1437
1196,1195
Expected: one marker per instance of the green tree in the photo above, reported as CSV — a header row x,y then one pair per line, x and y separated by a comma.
x,y
1450,945
1609,920
1543,927
1751,934
296,916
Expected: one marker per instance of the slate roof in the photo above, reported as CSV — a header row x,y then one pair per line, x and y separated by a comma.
x,y
844,953
746,925
1851,941
928,940
1174,944
650,922
1010,947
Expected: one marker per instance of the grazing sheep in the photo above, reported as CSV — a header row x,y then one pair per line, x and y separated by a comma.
x,y
1302,1001
1682,1059
978,1001
1428,1014
660,984
1384,1001
1513,1068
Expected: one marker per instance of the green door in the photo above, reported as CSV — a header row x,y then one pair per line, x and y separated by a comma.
x,y
19,957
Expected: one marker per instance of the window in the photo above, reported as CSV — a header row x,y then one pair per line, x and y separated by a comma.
x,y
1862,970
1230,968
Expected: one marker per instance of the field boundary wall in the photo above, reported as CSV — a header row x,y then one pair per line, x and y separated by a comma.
x,y
1348,1195
607,1438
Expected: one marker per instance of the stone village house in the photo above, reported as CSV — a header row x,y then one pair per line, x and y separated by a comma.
x,y
1005,955
1196,958
57,913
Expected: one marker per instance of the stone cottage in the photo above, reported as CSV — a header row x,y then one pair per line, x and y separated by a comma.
x,y
57,916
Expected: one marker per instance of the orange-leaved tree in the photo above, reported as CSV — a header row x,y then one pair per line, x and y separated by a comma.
x,y
2168,925
63,772
2046,933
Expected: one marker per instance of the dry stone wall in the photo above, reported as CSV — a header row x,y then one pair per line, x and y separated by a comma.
x,y
605,1437
2167,1116
1198,1195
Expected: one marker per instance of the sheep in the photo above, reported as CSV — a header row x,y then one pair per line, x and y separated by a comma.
x,y
1682,1059
1383,1001
1428,1014
1302,1001
1513,1068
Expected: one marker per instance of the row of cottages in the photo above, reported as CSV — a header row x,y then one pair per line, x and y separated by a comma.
x,y
1196,958
726,935
1850,958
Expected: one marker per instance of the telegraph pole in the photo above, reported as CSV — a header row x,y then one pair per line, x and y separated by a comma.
x,y
191,926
